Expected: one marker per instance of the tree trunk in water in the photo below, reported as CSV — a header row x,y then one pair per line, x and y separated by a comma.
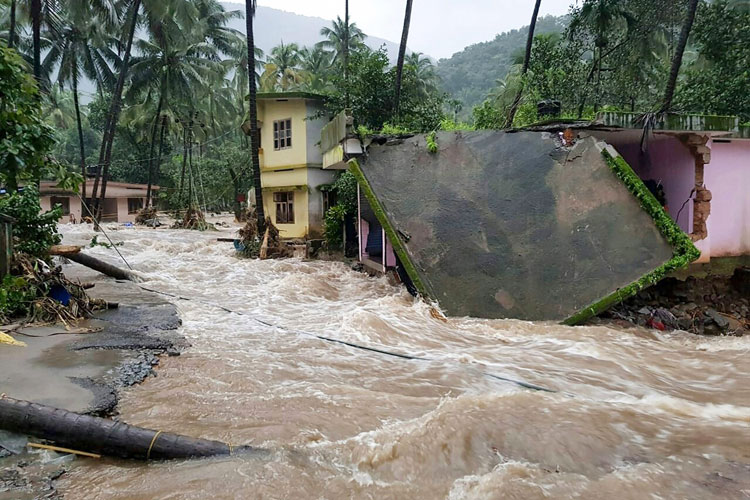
x,y
526,62
154,131
236,184
401,55
679,52
104,436
101,266
80,137
161,149
105,153
249,14
184,164
12,27
190,168
36,27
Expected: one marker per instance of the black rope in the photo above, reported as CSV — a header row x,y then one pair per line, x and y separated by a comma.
x,y
520,383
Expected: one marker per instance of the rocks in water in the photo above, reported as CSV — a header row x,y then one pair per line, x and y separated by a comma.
x,y
717,318
716,305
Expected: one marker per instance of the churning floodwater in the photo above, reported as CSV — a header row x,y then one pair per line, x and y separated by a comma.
x,y
638,414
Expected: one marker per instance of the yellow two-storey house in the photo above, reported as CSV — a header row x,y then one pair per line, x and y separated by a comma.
x,y
289,124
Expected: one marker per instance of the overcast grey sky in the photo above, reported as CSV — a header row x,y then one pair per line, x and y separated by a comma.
x,y
438,27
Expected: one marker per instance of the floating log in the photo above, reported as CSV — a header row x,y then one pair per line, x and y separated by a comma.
x,y
226,240
64,250
101,266
106,437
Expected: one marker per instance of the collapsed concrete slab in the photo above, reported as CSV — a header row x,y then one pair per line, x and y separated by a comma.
x,y
528,225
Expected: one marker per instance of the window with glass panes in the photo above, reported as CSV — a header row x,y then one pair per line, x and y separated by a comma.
x,y
284,207
282,134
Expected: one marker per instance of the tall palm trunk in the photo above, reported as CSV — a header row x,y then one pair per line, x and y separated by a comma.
x,y
346,52
81,147
526,63
105,153
184,164
250,6
401,56
161,147
36,26
154,131
679,52
12,28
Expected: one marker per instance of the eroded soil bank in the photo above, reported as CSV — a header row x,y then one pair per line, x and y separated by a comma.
x,y
82,372
637,412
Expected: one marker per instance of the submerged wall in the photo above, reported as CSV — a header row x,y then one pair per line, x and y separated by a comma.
x,y
512,224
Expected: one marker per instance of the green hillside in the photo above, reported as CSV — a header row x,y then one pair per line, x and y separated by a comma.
x,y
470,74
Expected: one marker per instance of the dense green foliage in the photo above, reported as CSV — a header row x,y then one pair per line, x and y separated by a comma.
x,y
345,189
471,74
25,139
15,296
617,55
719,79
33,232
25,142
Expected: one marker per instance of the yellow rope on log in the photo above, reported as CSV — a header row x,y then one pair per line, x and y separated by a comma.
x,y
153,440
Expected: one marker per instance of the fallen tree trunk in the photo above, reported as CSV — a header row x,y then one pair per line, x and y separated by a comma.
x,y
101,266
104,436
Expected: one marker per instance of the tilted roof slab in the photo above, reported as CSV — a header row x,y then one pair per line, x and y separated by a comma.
x,y
519,225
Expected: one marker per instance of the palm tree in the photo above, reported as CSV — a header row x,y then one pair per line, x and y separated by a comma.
x,y
285,60
36,26
679,52
59,108
250,7
237,65
315,64
424,70
175,63
12,26
76,48
401,55
341,38
526,62
600,17
346,51
105,153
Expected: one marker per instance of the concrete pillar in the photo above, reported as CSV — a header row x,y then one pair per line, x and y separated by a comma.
x,y
702,200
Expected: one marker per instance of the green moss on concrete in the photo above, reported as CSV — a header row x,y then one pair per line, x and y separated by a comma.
x,y
432,145
398,246
684,252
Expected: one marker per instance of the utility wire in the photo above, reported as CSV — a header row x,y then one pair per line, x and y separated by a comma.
x,y
86,206
378,350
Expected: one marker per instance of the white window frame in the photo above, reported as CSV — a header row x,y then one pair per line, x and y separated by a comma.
x,y
282,134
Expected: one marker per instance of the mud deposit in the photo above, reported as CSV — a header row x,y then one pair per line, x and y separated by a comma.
x,y
638,414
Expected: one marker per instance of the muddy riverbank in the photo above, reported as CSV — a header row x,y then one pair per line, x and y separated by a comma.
x,y
82,372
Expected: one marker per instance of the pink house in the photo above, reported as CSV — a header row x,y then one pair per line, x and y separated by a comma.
x,y
122,203
701,167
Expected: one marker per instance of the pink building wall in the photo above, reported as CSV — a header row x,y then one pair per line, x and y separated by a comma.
x,y
668,161
728,179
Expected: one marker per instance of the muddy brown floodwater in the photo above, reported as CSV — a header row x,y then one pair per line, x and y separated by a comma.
x,y
638,414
